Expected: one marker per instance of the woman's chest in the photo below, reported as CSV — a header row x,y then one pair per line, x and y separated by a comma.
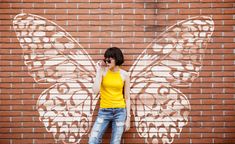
x,y
112,80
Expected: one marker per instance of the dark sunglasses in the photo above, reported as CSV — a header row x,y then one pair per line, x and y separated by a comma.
x,y
107,60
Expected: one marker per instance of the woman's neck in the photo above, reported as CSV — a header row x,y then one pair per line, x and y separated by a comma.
x,y
114,69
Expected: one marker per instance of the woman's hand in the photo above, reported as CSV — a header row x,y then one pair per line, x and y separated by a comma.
x,y
100,65
127,123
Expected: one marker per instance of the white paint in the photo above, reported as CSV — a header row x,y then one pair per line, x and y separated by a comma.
x,y
157,47
167,49
39,33
50,28
69,45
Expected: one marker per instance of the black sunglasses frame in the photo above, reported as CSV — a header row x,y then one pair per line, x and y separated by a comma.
x,y
107,60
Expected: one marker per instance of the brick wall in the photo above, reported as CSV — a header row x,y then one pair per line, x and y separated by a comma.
x,y
130,25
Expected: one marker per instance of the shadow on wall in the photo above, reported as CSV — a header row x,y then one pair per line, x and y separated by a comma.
x,y
159,109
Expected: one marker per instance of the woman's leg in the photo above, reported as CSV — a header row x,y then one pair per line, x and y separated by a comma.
x,y
118,124
99,127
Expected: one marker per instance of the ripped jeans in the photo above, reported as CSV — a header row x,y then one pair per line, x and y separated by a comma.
x,y
105,115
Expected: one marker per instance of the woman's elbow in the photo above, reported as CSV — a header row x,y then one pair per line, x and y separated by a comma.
x,y
95,90
127,97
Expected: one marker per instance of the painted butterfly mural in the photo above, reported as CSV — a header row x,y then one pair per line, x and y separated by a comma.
x,y
160,109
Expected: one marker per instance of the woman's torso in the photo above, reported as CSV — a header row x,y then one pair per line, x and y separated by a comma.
x,y
111,90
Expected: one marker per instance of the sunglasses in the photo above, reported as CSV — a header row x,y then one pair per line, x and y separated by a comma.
x,y
107,60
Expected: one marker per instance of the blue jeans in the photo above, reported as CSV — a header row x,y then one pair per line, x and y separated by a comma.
x,y
116,116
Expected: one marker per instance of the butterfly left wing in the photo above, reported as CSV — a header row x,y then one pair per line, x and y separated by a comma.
x,y
66,109
172,60
53,56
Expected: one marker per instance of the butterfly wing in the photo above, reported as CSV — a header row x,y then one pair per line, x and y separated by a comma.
x,y
66,110
172,60
53,56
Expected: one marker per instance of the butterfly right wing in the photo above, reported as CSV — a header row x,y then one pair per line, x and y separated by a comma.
x,y
53,56
172,60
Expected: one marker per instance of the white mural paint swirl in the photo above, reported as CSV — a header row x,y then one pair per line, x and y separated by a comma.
x,y
160,110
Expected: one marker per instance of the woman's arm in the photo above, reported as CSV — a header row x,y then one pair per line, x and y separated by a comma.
x,y
127,94
128,105
97,82
98,78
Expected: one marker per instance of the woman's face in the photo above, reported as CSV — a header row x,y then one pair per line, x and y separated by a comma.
x,y
110,62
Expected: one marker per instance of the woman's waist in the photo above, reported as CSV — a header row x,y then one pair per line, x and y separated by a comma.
x,y
117,98
106,103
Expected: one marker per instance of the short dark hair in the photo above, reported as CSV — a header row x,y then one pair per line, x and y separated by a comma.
x,y
115,53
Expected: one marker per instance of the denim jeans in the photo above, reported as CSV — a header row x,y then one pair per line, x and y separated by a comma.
x,y
116,116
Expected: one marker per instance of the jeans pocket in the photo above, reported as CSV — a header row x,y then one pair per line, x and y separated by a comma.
x,y
121,110
120,114
104,112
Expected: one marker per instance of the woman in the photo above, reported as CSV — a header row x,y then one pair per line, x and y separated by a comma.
x,y
113,83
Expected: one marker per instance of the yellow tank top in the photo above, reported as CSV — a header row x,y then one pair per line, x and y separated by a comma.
x,y
111,91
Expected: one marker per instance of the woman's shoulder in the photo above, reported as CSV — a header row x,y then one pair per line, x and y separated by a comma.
x,y
105,70
124,71
124,74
